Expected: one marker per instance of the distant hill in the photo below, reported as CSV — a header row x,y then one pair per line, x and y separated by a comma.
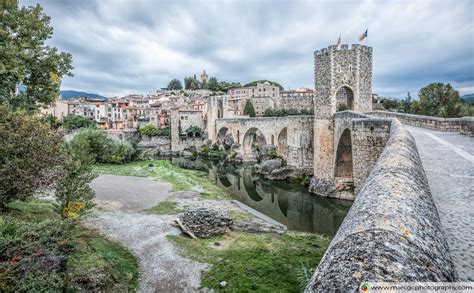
x,y
468,99
67,95
254,83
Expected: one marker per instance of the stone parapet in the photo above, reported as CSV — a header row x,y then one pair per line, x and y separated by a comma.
x,y
392,232
463,125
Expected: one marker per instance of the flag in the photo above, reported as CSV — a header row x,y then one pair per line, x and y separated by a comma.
x,y
364,35
338,41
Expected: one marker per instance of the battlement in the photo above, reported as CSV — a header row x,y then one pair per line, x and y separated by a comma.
x,y
344,47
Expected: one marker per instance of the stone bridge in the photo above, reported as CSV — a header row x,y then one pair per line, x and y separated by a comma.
x,y
292,136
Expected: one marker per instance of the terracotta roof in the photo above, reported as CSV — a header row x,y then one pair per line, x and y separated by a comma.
x,y
189,110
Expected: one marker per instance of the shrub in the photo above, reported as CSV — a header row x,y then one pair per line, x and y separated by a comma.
x,y
149,130
193,131
102,148
30,153
73,194
72,122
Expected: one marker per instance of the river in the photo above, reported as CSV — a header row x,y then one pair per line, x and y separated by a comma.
x,y
288,203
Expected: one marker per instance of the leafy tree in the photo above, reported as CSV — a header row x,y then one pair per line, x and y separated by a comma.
x,y
269,112
405,104
213,84
389,104
73,194
30,153
439,99
175,84
25,60
149,130
190,83
249,109
51,120
72,122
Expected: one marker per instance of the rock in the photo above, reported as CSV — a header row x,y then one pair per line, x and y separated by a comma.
x,y
282,173
321,186
223,284
266,151
205,222
187,154
266,167
228,141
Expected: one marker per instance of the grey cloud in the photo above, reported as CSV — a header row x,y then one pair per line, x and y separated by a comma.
x,y
136,46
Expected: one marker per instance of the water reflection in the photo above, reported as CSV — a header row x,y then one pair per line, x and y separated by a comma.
x,y
287,203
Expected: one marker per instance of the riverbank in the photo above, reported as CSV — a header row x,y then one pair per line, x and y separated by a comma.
x,y
254,256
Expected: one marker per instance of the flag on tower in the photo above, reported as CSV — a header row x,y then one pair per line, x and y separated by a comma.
x,y
338,41
364,35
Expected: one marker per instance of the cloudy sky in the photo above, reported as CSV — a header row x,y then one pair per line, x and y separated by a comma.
x,y
122,47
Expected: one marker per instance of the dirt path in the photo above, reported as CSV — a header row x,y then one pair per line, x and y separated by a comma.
x,y
121,199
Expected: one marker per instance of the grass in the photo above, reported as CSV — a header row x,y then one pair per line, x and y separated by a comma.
x,y
266,262
165,208
41,252
181,179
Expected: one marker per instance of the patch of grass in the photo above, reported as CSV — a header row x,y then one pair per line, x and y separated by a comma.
x,y
182,179
266,262
165,208
41,252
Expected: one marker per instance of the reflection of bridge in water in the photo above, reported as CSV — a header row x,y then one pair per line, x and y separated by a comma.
x,y
289,204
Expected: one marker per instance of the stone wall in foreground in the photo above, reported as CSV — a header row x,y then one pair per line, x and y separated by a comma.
x,y
392,232
463,125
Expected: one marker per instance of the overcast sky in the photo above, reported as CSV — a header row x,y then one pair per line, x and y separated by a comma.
x,y
122,47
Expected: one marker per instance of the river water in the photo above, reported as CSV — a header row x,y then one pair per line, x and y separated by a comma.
x,y
288,203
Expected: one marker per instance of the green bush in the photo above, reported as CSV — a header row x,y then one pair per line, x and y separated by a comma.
x,y
30,154
73,194
71,122
148,130
102,148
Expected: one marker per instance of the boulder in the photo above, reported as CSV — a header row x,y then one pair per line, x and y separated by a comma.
x,y
228,141
206,223
282,173
266,151
266,167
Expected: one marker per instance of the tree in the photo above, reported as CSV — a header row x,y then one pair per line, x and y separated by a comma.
x,y
73,194
30,153
213,84
175,84
254,83
439,99
25,60
194,131
190,83
269,112
249,109
72,122
149,130
405,104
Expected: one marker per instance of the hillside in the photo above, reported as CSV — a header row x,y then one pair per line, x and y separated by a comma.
x,y
254,83
468,99
70,94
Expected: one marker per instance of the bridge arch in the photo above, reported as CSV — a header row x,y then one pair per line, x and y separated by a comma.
x,y
344,98
251,137
343,163
283,142
222,133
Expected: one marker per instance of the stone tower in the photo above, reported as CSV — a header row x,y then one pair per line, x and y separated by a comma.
x,y
343,81
217,107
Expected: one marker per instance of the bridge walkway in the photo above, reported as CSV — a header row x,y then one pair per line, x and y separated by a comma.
x,y
448,160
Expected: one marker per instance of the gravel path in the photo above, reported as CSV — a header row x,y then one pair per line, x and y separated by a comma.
x,y
448,160
121,198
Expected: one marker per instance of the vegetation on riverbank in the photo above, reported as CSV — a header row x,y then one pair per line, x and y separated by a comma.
x,y
182,179
270,262
167,207
41,252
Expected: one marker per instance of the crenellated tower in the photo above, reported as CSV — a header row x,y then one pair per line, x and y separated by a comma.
x,y
343,81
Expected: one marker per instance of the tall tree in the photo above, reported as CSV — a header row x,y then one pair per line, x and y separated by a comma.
x,y
175,84
439,99
249,109
25,60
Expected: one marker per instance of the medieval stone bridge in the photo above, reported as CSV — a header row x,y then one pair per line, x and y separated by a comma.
x,y
292,136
